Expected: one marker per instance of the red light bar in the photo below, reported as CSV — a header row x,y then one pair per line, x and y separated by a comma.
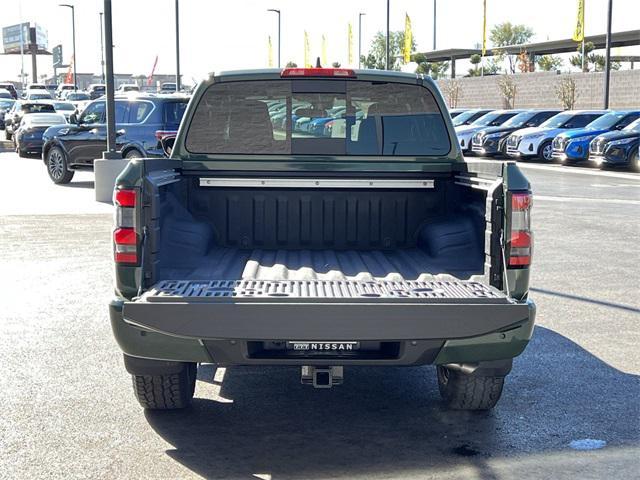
x,y
521,201
125,198
524,261
520,239
318,72
125,236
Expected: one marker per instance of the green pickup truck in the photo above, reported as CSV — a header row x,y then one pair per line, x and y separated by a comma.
x,y
321,218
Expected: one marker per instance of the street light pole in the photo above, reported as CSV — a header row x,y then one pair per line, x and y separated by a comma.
x,y
278,12
177,47
388,58
607,57
360,15
434,24
111,104
101,48
73,30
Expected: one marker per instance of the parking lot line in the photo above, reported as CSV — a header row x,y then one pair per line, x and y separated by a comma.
x,y
551,198
580,171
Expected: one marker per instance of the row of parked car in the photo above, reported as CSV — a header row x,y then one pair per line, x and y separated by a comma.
x,y
603,138
70,142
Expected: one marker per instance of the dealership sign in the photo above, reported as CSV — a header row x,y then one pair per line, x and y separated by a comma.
x,y
13,34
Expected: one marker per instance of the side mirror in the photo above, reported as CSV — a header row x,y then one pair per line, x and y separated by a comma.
x,y
73,118
167,144
619,127
530,124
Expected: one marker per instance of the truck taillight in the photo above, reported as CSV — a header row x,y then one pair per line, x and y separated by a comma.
x,y
160,134
520,244
125,236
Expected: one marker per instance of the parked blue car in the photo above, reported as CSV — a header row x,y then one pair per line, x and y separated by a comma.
x,y
142,120
573,146
619,148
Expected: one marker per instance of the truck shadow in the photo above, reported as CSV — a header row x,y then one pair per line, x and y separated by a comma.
x,y
386,421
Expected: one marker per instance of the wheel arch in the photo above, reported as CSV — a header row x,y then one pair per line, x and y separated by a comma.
x,y
49,145
132,146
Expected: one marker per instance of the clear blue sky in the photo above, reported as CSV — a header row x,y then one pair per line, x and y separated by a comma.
x,y
220,35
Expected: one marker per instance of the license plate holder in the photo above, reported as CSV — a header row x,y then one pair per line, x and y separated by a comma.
x,y
323,346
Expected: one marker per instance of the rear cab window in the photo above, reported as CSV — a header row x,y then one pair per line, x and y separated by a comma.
x,y
318,117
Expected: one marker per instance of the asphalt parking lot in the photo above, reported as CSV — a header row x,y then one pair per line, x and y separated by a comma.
x,y
68,410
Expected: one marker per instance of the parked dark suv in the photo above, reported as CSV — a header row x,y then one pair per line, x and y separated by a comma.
x,y
96,90
141,122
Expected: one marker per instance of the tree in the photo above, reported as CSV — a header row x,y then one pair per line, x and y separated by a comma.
x,y
452,89
377,56
506,34
566,92
291,64
508,90
576,60
525,64
492,67
549,63
599,63
434,69
475,61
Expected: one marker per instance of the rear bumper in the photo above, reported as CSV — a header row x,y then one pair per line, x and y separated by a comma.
x,y
422,334
324,322
30,145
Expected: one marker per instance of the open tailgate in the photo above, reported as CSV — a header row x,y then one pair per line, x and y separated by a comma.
x,y
324,309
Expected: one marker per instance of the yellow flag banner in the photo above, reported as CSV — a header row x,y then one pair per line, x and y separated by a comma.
x,y
307,62
484,27
270,52
350,45
578,35
408,39
324,51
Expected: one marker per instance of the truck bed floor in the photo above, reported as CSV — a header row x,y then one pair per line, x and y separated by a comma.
x,y
362,265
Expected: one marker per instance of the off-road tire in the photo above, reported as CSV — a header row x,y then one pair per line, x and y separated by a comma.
x,y
56,162
166,392
541,151
462,391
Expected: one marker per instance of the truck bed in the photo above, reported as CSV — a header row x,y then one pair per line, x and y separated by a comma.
x,y
284,264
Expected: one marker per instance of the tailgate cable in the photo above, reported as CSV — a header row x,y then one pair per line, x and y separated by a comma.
x,y
142,244
504,263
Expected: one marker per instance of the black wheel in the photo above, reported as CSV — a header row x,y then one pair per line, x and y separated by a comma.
x,y
7,135
133,154
166,392
21,153
545,151
57,166
462,391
